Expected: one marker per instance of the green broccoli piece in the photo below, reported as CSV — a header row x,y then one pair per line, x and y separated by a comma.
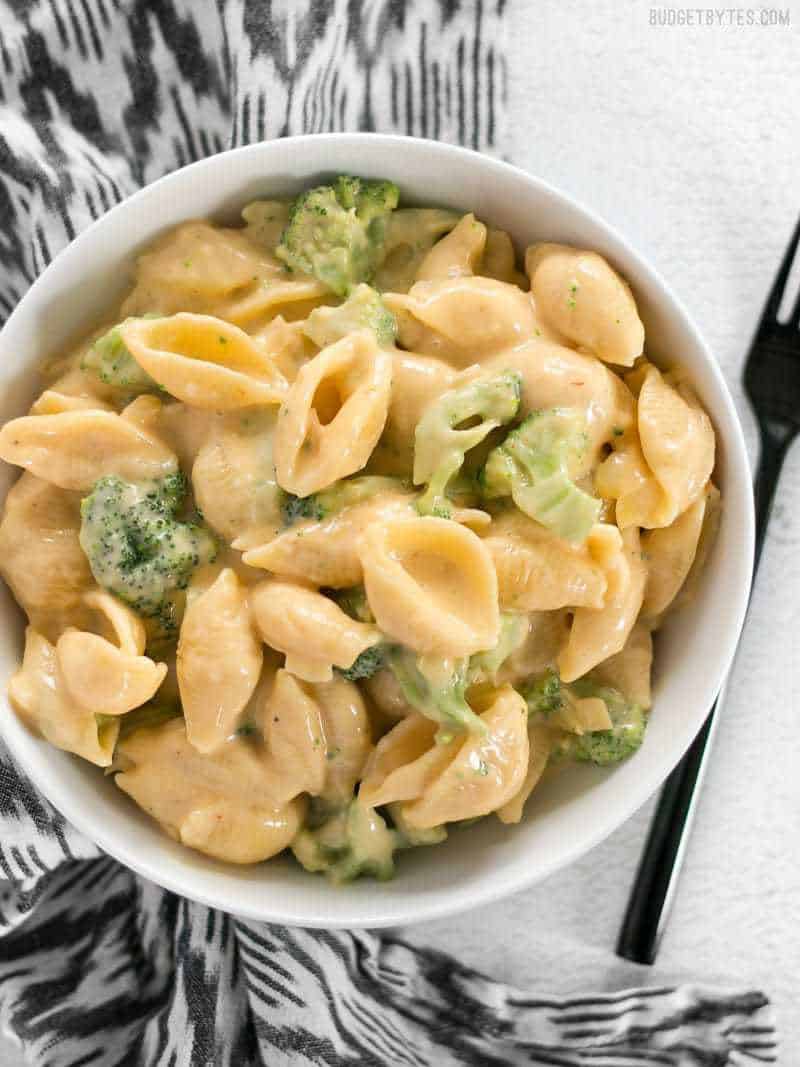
x,y
629,722
336,232
136,547
295,508
532,466
372,199
363,309
367,663
483,666
347,843
438,694
353,602
453,424
340,495
546,695
113,364
543,695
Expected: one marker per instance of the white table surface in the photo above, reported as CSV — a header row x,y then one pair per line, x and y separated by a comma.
x,y
688,140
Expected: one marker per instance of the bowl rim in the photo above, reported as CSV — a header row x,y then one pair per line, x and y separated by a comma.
x,y
471,895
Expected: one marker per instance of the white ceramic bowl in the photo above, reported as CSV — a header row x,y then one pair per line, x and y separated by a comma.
x,y
565,818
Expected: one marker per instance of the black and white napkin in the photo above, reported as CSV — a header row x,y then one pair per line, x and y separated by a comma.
x,y
97,966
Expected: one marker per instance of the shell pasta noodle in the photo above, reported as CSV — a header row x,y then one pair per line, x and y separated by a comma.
x,y
351,524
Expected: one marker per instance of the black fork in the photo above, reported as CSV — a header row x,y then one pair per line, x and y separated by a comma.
x,y
772,382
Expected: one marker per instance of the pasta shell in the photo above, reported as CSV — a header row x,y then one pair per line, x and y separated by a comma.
x,y
333,414
348,737
416,382
233,478
219,804
456,255
670,552
75,448
410,233
204,361
548,632
217,271
500,260
102,678
295,738
554,376
405,761
242,835
117,621
463,779
431,585
629,670
314,634
537,571
219,662
598,633
540,739
677,440
69,690
40,554
195,258
185,429
286,345
578,294
52,402
462,320
487,772
38,694
326,552
625,477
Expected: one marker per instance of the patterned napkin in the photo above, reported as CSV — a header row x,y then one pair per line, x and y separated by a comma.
x,y
97,966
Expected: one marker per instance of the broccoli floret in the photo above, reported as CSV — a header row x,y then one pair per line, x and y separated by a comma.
x,y
336,232
543,695
136,547
453,424
371,198
113,364
440,693
532,466
342,494
347,843
367,663
484,666
629,722
546,696
363,309
294,508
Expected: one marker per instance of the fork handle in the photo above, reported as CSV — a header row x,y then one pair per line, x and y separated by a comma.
x,y
653,889
775,441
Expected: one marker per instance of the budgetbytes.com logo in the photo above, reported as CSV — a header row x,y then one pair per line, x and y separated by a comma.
x,y
733,17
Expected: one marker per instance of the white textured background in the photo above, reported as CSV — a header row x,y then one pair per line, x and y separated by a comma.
x,y
688,140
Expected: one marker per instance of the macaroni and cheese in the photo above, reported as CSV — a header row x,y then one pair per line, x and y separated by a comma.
x,y
343,529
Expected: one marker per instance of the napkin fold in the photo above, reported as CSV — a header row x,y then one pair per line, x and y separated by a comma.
x,y
99,966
